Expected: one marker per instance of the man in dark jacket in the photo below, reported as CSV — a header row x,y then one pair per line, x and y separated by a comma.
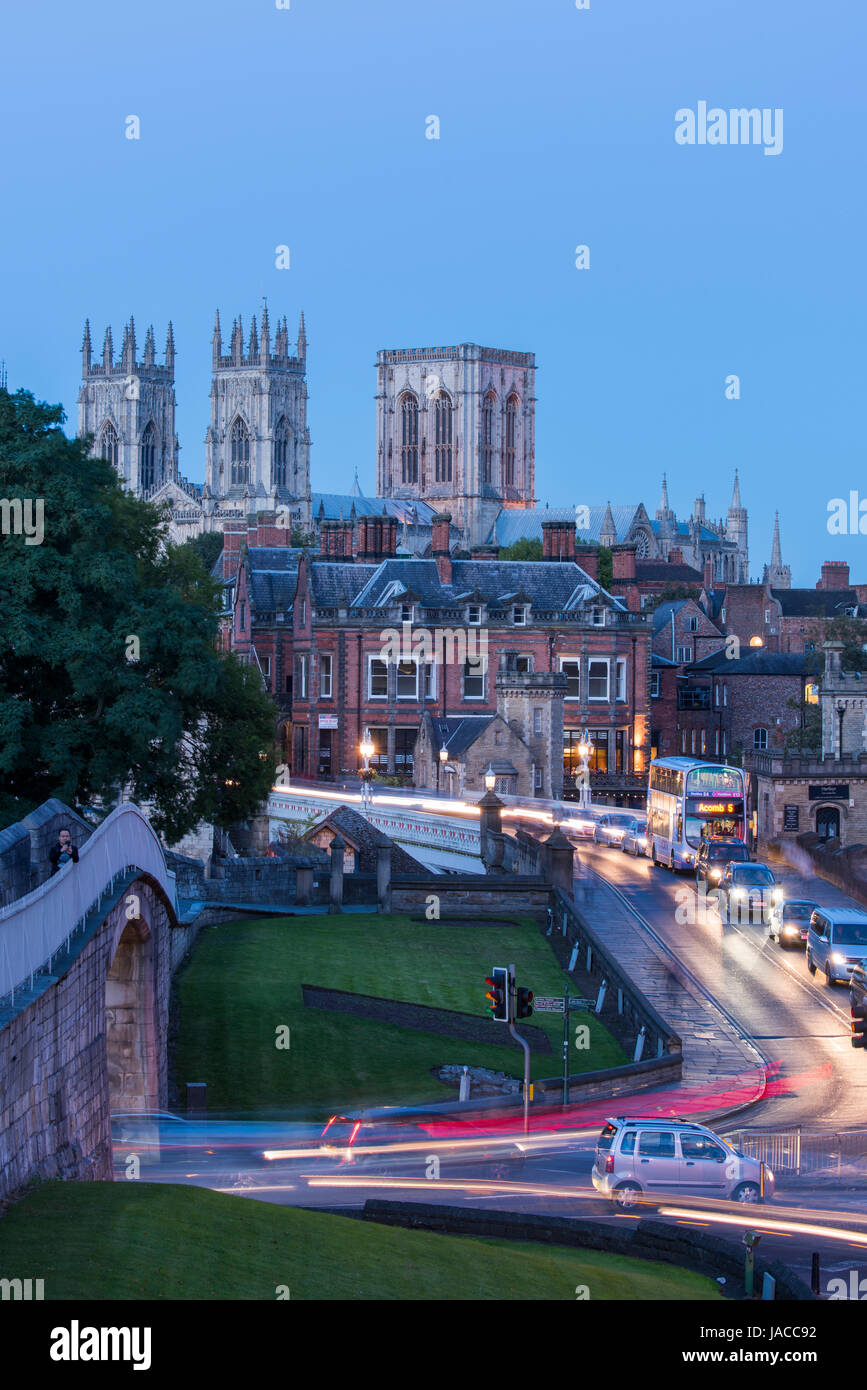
x,y
63,851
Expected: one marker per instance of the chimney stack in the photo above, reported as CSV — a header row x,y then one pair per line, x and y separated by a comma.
x,y
587,556
440,546
558,540
835,575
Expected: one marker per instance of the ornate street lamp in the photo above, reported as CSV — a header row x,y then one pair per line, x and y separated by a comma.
x,y
490,778
443,759
585,748
366,749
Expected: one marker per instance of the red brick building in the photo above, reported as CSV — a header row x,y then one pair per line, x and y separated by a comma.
x,y
357,639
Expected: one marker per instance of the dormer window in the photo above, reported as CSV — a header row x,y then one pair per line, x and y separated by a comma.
x,y
519,615
474,614
406,613
597,617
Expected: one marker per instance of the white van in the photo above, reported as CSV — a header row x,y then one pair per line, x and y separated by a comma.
x,y
836,941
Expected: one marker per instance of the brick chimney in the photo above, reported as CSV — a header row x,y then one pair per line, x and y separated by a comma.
x,y
484,552
623,582
340,542
232,537
835,575
708,574
675,556
377,539
558,540
587,556
440,546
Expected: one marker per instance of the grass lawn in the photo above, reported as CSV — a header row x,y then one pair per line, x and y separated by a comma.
x,y
130,1240
244,981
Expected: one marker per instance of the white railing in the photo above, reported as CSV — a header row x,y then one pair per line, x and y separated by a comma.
x,y
37,927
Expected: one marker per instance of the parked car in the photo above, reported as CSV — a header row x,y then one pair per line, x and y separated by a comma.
x,y
790,920
836,942
744,887
611,827
635,839
636,1155
714,854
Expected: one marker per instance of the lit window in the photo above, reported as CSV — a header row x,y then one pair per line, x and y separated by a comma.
x,y
756,642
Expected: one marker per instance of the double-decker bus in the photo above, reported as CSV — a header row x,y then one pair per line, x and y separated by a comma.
x,y
689,799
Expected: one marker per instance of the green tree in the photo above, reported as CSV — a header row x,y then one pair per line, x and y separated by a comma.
x,y
110,675
852,632
521,550
208,546
301,538
606,567
807,737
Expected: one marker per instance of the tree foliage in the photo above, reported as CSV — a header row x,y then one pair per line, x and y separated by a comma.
x,y
521,550
110,676
208,546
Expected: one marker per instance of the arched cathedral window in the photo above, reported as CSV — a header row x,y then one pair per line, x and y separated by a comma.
x,y
108,443
510,435
488,406
240,452
281,453
408,438
443,438
147,471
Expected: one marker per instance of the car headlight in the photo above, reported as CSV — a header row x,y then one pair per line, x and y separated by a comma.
x,y
716,875
837,958
642,841
777,895
739,893
792,931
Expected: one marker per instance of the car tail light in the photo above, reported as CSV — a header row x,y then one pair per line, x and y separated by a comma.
x,y
609,1164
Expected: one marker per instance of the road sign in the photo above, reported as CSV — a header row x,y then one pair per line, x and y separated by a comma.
x,y
549,1004
576,1002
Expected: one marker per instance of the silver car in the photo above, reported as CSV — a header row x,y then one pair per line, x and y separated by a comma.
x,y
836,942
637,1155
635,839
611,828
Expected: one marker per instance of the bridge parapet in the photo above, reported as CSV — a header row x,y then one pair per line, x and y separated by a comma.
x,y
37,927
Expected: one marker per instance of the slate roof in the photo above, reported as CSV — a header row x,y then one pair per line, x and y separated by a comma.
x,y
457,734
520,523
274,577
815,603
682,528
759,664
657,660
660,572
335,504
547,585
662,613
368,838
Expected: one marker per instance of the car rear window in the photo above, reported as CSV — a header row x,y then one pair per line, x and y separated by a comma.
x,y
606,1138
798,912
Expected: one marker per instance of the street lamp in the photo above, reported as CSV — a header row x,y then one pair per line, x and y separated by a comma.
x,y
490,778
443,759
584,750
367,750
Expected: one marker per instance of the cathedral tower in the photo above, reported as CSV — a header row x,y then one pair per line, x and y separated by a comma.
x,y
777,575
258,443
736,531
455,428
128,405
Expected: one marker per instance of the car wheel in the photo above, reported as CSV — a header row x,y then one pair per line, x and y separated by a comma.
x,y
811,964
747,1192
626,1195
829,978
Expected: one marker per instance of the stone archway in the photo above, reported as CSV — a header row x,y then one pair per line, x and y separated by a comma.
x,y
828,822
131,1023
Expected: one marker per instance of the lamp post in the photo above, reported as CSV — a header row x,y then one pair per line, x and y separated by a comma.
x,y
841,710
584,751
443,759
490,778
490,822
367,750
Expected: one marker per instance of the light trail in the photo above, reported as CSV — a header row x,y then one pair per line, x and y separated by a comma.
x,y
774,1226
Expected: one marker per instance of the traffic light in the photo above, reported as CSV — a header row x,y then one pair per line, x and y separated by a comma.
x,y
859,1025
524,1003
498,993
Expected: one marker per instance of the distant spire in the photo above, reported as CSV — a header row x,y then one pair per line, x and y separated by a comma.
x,y
736,495
149,347
253,349
302,337
217,341
237,341
132,342
356,487
663,501
170,348
608,533
776,552
86,350
107,350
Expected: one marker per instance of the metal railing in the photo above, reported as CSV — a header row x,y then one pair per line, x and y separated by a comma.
x,y
36,928
802,1153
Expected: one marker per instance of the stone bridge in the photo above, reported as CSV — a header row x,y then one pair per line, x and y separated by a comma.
x,y
86,961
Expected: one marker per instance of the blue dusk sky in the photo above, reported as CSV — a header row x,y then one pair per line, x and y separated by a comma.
x,y
305,126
